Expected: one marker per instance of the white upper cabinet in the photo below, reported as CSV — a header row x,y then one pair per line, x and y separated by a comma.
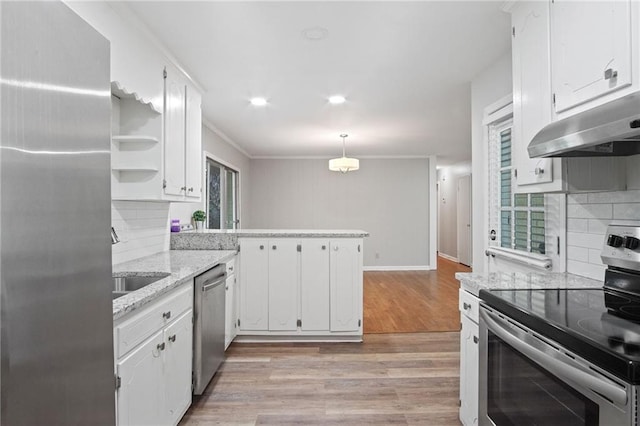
x,y
591,51
182,139
174,133
532,106
193,145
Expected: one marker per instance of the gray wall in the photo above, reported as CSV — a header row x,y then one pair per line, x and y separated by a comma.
x,y
389,198
487,87
222,150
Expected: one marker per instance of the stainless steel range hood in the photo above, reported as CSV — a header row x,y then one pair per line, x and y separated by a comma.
x,y
610,130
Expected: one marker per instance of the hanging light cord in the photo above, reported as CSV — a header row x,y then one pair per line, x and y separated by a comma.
x,y
343,136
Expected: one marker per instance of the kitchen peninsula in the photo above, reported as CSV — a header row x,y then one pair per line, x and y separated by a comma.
x,y
293,284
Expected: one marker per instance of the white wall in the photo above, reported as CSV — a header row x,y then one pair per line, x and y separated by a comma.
x,y
224,152
448,208
487,87
389,198
588,215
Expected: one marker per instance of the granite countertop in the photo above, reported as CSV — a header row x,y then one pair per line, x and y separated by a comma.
x,y
473,283
180,264
286,233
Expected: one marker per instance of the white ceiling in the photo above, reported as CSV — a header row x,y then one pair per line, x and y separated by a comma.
x,y
404,67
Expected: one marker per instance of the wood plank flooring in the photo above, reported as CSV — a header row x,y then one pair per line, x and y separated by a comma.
x,y
389,379
405,378
413,301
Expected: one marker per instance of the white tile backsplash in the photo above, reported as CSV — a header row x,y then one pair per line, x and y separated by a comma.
x,y
143,228
588,215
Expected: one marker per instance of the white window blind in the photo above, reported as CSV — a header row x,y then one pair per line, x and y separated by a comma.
x,y
521,221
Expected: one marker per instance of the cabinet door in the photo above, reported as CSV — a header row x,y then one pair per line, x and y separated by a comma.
x,y
283,284
469,363
193,146
531,91
174,133
141,394
590,50
178,355
346,284
229,321
314,284
234,308
254,284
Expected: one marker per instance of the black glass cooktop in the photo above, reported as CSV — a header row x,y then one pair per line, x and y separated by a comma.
x,y
598,325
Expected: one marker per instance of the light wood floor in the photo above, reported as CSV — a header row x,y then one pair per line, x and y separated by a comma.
x,y
413,301
390,379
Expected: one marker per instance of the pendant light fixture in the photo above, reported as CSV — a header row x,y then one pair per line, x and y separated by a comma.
x,y
344,164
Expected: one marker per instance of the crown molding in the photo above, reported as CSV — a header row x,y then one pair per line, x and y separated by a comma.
x,y
209,125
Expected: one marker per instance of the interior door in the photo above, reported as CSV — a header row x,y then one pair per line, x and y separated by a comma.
x,y
464,220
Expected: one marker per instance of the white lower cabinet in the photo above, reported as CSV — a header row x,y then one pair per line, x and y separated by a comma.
x,y
469,358
314,292
346,285
230,304
310,286
154,350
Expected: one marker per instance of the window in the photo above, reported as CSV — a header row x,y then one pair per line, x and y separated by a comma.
x,y
222,196
521,223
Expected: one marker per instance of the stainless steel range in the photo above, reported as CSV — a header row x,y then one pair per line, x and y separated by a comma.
x,y
565,357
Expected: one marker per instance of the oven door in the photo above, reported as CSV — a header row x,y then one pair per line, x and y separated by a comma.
x,y
527,380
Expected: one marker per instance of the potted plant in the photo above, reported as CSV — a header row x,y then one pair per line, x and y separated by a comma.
x,y
199,217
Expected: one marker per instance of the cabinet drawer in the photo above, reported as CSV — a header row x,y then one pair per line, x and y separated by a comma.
x,y
468,305
231,266
141,325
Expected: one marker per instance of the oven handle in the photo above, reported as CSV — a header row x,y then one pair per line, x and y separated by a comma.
x,y
554,365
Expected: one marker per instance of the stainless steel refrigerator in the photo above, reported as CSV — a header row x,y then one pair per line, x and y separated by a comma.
x,y
56,341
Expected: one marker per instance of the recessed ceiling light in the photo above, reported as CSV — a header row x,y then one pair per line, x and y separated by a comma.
x,y
315,33
258,101
337,99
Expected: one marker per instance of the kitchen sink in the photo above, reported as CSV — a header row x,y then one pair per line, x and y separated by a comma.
x,y
117,294
133,283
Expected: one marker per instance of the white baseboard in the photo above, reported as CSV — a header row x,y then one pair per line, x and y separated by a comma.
x,y
451,258
399,268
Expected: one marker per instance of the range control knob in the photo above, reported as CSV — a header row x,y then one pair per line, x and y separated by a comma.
x,y
631,243
614,240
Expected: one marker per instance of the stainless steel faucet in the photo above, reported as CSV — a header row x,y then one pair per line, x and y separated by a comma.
x,y
114,236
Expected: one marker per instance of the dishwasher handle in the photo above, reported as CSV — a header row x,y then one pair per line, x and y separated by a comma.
x,y
213,282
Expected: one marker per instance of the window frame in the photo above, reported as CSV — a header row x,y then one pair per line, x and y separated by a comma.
x,y
224,167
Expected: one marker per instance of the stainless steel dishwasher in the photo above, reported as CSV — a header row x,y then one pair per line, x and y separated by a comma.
x,y
208,328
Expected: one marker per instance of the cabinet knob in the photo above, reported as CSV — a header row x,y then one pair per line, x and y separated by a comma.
x,y
335,248
261,247
466,306
475,339
226,287
160,346
538,171
172,338
273,247
610,73
166,315
324,247
184,188
191,189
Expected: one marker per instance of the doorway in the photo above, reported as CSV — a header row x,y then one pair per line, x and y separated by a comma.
x,y
464,220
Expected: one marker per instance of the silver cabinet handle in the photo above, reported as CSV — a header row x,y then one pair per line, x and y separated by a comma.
x,y
466,306
160,346
191,189
273,247
184,188
559,367
324,247
231,268
610,73
172,338
538,171
261,247
335,248
475,339
166,315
